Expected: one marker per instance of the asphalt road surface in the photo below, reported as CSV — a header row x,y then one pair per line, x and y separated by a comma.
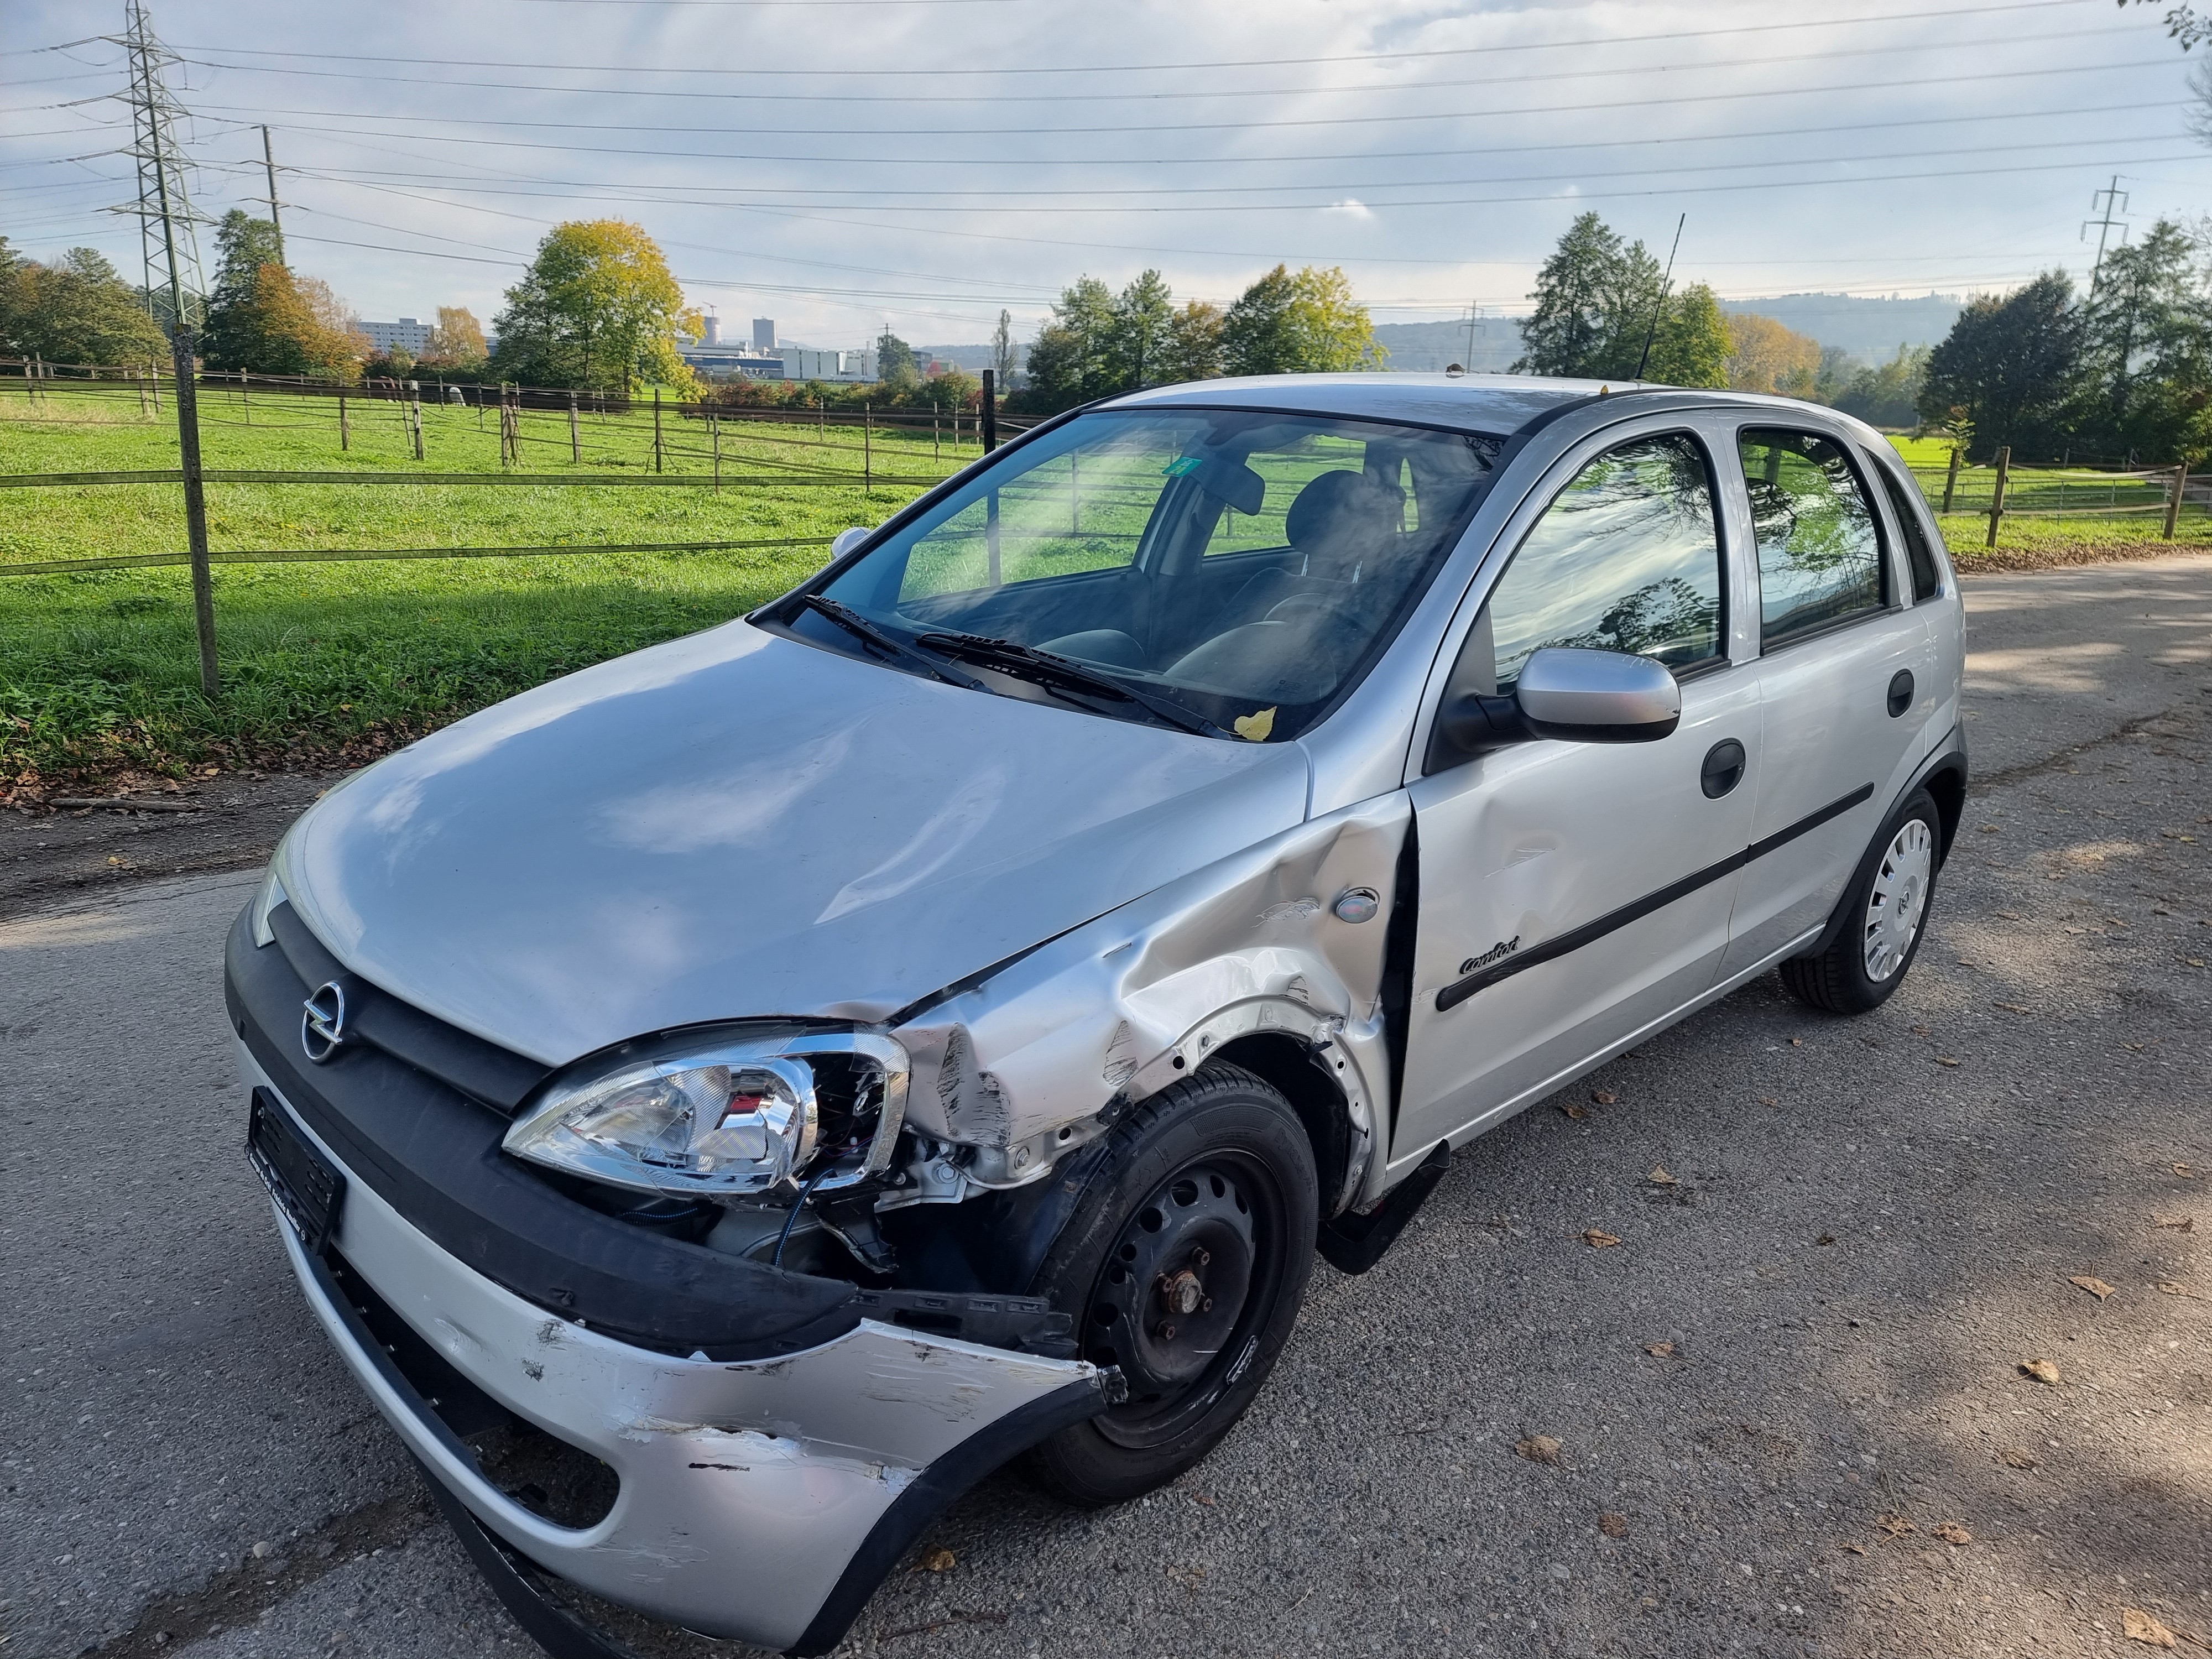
x,y
1870,1226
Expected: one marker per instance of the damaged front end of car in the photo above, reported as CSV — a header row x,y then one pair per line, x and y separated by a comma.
x,y
712,1322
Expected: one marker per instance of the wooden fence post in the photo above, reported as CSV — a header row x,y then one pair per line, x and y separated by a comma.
x,y
575,434
196,536
2173,502
1996,500
415,415
867,445
141,378
990,410
154,373
345,425
656,428
714,431
245,402
936,440
1951,480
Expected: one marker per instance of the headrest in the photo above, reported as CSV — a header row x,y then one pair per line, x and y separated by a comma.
x,y
1344,515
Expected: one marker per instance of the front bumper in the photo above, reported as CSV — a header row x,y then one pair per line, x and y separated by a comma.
x,y
762,1500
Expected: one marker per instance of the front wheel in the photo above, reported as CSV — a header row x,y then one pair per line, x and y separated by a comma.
x,y
1184,1261
1885,914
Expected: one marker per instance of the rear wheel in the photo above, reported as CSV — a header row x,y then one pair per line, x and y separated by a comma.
x,y
1884,912
1184,1263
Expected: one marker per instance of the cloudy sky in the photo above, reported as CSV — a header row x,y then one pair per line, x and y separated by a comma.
x,y
845,164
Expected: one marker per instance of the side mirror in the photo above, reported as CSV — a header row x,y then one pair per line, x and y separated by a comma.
x,y
1597,696
848,540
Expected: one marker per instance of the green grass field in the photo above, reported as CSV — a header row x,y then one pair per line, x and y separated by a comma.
x,y
99,669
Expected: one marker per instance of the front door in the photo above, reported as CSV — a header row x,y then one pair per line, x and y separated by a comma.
x,y
1571,893
1844,675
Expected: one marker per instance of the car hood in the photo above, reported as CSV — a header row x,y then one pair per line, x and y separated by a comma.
x,y
736,824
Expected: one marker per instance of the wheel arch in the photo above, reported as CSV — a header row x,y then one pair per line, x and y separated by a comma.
x,y
1302,1074
1947,785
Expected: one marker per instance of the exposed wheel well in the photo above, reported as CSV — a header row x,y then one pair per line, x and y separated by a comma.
x,y
1291,1066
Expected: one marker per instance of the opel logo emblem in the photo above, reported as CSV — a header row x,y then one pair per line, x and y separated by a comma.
x,y
322,1022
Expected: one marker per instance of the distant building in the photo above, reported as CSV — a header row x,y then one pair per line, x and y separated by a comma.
x,y
764,335
407,334
713,329
802,363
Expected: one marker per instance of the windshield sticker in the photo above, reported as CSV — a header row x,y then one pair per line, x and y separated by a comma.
x,y
1183,468
1254,728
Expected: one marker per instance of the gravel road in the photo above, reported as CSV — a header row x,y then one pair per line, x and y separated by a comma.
x,y
1789,1407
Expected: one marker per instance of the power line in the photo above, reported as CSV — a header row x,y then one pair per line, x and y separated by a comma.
x,y
1612,105
1426,55
1206,94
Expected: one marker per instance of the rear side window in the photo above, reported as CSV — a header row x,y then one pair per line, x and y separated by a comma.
x,y
1626,559
1819,552
1904,503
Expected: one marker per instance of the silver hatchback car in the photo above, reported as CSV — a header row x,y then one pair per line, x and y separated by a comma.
x,y
724,1101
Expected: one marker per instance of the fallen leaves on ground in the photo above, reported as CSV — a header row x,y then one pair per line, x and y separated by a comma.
x,y
2180,1223
1659,1350
1604,1098
1612,1525
2139,1627
2016,1457
1538,1448
1945,1060
1826,1238
1796,1042
1205,1497
1576,1109
1856,1549
2089,1282
2041,1370
1598,1239
1892,1525
1952,1532
939,1560
2175,1287
1659,1177
1768,1100
2011,1008
2188,1171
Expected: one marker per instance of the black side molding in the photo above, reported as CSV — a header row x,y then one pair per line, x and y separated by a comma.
x,y
559,1632
1354,1242
1590,932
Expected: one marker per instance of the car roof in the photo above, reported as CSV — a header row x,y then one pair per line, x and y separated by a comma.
x,y
1496,404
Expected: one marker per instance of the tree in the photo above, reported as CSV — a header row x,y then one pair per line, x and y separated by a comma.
x,y
77,311
1689,346
2147,349
1193,351
1766,356
1142,328
1002,351
1307,323
1888,394
264,319
1072,359
596,308
459,338
2012,365
1595,303
894,365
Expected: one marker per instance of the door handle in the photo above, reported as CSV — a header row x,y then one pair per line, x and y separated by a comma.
x,y
1723,769
1900,692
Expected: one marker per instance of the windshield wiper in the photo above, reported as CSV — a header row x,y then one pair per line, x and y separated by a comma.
x,y
1047,668
859,626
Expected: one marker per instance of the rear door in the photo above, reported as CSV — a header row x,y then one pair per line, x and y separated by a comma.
x,y
1843,669
1571,893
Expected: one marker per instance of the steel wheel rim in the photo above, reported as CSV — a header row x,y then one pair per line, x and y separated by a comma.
x,y
1899,898
1168,1393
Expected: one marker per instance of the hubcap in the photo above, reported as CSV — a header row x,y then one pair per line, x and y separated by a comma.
x,y
1898,899
1171,1304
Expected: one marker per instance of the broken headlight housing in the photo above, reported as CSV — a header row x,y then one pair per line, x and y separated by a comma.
x,y
725,1116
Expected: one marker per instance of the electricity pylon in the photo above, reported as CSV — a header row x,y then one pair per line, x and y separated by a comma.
x,y
167,243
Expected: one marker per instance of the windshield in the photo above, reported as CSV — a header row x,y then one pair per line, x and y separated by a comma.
x,y
1244,566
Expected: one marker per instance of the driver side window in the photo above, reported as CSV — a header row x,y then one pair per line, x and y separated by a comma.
x,y
1627,558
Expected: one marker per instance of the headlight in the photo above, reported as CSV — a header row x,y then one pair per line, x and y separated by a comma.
x,y
708,1117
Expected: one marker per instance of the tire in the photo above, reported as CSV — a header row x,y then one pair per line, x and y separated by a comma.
x,y
1183,1262
1883,918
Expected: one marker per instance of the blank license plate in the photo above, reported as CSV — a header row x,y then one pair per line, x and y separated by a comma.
x,y
305,1184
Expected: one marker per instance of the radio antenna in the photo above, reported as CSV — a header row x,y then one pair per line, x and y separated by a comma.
x,y
1652,333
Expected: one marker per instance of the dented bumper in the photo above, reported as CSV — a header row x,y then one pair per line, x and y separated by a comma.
x,y
762,1500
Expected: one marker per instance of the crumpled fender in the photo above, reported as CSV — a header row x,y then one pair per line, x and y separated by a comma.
x,y
1044,1054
